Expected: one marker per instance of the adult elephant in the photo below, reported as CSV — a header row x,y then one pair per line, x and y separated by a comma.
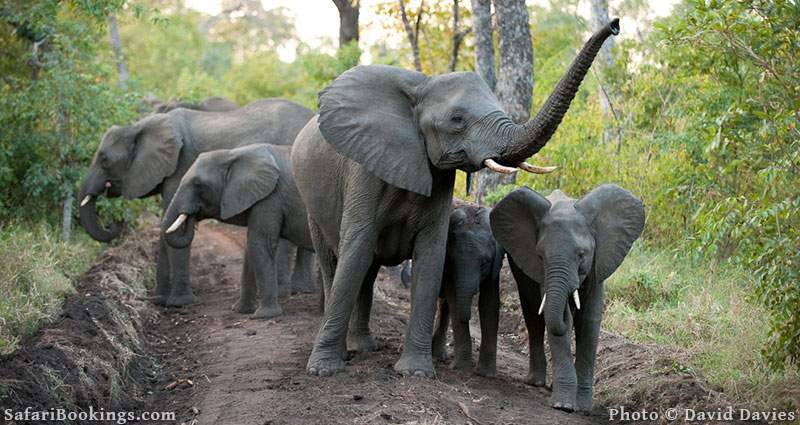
x,y
376,169
209,104
150,156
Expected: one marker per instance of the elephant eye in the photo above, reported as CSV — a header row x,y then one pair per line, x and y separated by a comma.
x,y
457,119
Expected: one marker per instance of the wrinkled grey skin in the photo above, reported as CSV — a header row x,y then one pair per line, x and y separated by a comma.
x,y
471,267
249,186
210,104
150,156
376,169
557,245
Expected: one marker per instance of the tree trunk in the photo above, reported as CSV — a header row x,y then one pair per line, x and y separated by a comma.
x,y
412,33
119,57
605,60
66,217
484,45
514,77
458,36
348,21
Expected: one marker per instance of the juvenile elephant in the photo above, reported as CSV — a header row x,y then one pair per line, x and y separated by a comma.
x,y
249,186
471,266
562,250
210,104
150,156
376,169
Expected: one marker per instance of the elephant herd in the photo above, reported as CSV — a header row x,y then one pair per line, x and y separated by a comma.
x,y
367,182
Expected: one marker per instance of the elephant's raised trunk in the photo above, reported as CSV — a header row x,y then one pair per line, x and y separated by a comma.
x,y
531,137
87,212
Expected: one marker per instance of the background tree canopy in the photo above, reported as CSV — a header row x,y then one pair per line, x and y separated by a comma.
x,y
705,108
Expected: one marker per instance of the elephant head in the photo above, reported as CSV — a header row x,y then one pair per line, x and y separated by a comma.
x,y
398,123
567,245
219,184
132,162
472,254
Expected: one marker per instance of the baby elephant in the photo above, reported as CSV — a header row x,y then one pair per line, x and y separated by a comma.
x,y
561,250
472,266
249,186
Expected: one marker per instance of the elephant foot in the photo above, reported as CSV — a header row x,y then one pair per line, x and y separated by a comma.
x,y
584,402
564,406
439,351
536,380
363,342
488,370
415,365
181,300
302,289
325,363
160,300
267,312
244,307
461,362
285,291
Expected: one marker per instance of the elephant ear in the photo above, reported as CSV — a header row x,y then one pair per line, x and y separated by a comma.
x,y
617,218
515,224
154,154
367,115
251,176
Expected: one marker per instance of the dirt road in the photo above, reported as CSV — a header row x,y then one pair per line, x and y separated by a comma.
x,y
253,372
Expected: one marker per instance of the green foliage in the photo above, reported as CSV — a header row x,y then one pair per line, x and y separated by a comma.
x,y
36,272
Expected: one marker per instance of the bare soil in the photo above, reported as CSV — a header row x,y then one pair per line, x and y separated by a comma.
x,y
211,365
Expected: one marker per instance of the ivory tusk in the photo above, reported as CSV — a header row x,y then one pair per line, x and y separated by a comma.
x,y
178,221
108,185
577,299
86,200
535,169
541,307
494,166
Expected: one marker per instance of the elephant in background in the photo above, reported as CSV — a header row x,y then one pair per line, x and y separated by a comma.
x,y
471,266
248,186
561,250
376,169
150,156
209,104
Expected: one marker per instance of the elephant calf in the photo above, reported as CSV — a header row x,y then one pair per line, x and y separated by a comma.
x,y
250,186
561,250
472,265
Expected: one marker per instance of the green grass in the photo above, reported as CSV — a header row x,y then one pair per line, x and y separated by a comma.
x,y
36,273
705,308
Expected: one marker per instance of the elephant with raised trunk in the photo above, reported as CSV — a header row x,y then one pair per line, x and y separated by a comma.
x,y
249,186
150,156
561,250
376,169
471,267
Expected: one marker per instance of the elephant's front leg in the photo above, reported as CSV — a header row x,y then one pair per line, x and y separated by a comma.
x,y
359,337
489,311
530,298
462,340
564,380
303,273
163,287
247,288
262,250
429,251
181,293
356,252
587,332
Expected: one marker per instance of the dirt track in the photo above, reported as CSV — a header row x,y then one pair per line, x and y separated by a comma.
x,y
253,372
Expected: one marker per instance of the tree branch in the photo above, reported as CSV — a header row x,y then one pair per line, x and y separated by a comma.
x,y
413,33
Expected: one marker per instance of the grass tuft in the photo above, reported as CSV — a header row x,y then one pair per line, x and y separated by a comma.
x,y
707,309
36,273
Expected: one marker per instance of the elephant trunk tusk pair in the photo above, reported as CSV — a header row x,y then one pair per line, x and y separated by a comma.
x,y
178,221
494,166
88,198
574,297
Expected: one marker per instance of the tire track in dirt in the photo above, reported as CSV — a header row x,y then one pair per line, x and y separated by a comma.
x,y
253,372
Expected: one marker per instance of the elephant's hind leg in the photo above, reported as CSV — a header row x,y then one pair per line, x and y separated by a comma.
x,y
439,344
303,274
359,337
247,302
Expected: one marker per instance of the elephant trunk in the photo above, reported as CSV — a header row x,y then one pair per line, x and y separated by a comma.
x,y
558,279
531,137
87,212
182,235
